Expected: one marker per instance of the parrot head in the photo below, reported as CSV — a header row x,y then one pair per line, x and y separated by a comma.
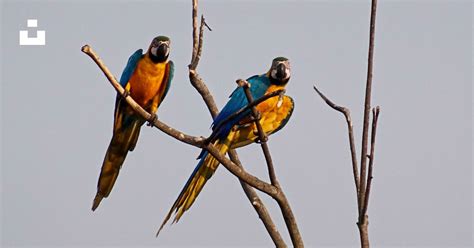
x,y
280,71
159,49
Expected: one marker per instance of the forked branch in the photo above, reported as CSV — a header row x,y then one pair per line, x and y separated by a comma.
x,y
363,181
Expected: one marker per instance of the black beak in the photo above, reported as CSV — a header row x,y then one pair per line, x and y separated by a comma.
x,y
281,71
163,49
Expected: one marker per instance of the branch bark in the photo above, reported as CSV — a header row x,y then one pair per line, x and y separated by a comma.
x,y
368,94
363,218
247,180
188,139
258,205
363,181
281,199
350,129
199,142
375,118
200,86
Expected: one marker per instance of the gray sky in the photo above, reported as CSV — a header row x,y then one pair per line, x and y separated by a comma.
x,y
57,122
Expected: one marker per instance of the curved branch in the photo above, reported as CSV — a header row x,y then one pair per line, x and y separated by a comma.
x,y
188,139
191,140
347,114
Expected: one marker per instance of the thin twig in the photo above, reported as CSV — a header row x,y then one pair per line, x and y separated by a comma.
x,y
195,33
281,199
375,118
350,129
368,94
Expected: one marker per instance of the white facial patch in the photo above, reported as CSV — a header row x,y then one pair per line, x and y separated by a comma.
x,y
273,73
154,50
287,72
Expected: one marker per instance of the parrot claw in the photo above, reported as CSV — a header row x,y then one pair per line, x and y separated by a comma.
x,y
258,141
152,120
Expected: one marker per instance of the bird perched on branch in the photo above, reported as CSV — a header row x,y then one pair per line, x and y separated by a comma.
x,y
231,132
146,78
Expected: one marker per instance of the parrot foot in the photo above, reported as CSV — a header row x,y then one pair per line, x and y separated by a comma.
x,y
152,120
259,141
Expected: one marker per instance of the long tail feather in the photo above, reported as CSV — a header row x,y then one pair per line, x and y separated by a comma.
x,y
121,143
202,172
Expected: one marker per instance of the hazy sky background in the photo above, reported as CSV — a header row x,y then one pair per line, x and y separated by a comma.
x,y
57,110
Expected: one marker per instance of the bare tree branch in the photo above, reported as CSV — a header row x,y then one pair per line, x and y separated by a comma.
x,y
202,89
195,35
363,218
375,118
368,94
350,129
363,184
199,142
281,199
191,140
258,205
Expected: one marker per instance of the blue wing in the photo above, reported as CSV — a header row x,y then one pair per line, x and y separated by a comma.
x,y
238,100
170,77
126,74
130,68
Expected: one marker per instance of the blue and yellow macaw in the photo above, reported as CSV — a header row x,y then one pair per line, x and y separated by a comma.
x,y
241,130
147,78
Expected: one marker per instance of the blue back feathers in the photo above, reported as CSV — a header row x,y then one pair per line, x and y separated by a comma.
x,y
258,86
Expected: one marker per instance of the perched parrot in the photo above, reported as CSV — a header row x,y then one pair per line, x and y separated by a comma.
x,y
147,78
241,130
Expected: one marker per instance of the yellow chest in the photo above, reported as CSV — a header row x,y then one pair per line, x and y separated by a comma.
x,y
272,105
147,81
274,112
